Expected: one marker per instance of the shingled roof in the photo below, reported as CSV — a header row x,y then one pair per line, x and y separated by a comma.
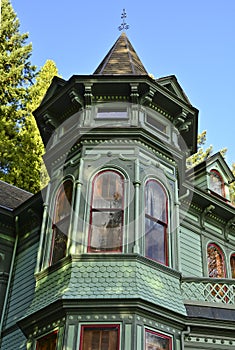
x,y
121,60
12,196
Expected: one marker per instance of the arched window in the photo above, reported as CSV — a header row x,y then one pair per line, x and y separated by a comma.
x,y
232,265
106,213
61,220
216,182
215,258
156,222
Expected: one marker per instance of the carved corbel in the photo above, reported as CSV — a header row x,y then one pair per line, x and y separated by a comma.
x,y
134,92
208,210
75,98
88,94
49,123
182,122
148,96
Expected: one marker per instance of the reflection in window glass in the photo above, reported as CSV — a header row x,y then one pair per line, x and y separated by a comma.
x,y
155,222
61,221
216,182
157,341
156,123
106,213
114,113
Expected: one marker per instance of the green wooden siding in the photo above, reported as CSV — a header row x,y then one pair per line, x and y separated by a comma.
x,y
23,284
190,253
14,341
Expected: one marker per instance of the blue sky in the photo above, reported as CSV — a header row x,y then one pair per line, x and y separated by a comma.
x,y
194,40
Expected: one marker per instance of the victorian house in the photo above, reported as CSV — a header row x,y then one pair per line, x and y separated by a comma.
x,y
126,248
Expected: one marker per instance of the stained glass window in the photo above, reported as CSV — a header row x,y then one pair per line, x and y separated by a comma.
x,y
215,257
106,217
61,221
232,265
155,222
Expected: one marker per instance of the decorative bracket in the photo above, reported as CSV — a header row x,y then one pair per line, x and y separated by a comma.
x,y
207,210
75,98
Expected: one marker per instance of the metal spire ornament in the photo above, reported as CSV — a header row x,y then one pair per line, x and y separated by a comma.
x,y
124,25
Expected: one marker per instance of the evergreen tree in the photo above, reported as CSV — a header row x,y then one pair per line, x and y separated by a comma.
x,y
16,75
21,147
33,148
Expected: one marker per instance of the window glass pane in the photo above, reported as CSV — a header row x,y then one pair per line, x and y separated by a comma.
x,y
216,182
48,342
106,230
106,213
63,202
100,338
232,264
108,190
155,201
61,221
155,341
114,113
156,123
155,245
215,258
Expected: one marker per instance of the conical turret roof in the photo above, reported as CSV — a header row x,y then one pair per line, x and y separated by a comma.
x,y
121,60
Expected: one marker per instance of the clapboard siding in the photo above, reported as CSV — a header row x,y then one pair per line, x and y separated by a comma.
x,y
23,285
190,253
14,341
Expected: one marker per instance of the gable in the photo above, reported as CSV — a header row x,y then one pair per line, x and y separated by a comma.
x,y
171,84
56,85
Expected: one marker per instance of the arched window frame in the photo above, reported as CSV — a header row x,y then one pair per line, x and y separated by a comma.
x,y
63,221
232,268
212,274
162,222
118,211
216,175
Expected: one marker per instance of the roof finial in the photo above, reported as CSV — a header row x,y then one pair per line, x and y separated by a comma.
x,y
124,25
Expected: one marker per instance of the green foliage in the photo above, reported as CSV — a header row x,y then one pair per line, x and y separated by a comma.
x,y
202,153
21,146
232,186
30,132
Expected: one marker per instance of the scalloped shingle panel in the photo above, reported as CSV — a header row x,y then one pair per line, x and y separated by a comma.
x,y
97,279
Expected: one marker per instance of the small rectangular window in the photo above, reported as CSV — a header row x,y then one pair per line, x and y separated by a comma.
x,y
48,342
156,124
114,113
159,341
103,337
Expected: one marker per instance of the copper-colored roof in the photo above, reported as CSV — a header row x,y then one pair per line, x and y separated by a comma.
x,y
121,60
